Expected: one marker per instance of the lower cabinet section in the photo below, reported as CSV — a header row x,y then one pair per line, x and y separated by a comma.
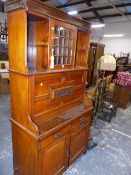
x,y
62,148
50,154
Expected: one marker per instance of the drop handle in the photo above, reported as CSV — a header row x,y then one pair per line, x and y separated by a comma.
x,y
58,135
81,125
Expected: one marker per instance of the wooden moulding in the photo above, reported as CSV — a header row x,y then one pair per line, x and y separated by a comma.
x,y
42,8
35,72
14,5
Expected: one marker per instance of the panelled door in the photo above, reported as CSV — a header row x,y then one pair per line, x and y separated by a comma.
x,y
54,158
78,143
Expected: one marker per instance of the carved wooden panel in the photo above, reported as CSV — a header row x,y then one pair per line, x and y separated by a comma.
x,y
61,92
50,162
78,143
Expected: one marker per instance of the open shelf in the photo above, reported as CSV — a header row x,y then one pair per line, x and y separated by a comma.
x,y
38,42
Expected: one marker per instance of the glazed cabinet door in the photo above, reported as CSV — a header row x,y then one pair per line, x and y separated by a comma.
x,y
62,45
78,143
54,157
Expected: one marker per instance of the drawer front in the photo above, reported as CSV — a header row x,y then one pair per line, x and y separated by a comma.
x,y
81,125
46,105
55,136
42,86
77,121
82,121
76,76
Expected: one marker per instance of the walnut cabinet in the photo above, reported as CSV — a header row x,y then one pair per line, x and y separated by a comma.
x,y
50,112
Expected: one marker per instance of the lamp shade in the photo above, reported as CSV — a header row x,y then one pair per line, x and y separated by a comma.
x,y
107,63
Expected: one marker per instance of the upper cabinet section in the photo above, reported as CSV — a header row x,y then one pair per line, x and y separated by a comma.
x,y
45,38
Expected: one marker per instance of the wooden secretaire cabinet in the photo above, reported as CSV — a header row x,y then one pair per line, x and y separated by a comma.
x,y
50,113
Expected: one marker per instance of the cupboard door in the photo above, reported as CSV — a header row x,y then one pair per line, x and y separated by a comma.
x,y
62,45
54,157
78,143
82,49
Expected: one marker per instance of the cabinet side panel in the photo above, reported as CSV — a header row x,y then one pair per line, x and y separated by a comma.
x,y
19,101
24,152
17,40
18,93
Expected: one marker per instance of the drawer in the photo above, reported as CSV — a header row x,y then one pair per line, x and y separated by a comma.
x,y
77,121
82,118
82,121
42,86
81,125
55,136
46,105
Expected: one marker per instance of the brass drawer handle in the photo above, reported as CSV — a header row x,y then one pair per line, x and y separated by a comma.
x,y
58,135
81,125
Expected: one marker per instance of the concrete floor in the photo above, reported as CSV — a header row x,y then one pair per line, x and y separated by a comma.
x,y
112,156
